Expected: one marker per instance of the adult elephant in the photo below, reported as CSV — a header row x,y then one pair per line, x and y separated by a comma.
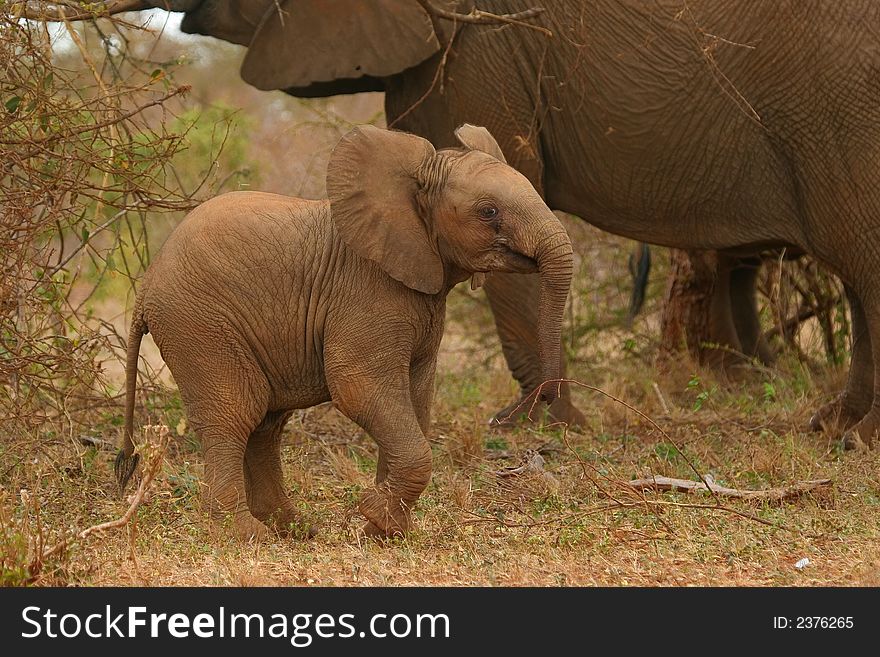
x,y
735,126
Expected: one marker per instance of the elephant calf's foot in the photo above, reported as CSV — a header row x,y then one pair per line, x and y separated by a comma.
x,y
525,410
245,527
387,515
370,530
838,415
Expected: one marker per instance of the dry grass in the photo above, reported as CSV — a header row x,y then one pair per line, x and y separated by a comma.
x,y
475,527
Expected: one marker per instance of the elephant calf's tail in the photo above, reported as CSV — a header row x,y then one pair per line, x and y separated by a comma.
x,y
127,459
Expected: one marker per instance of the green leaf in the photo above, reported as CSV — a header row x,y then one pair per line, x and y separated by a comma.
x,y
12,104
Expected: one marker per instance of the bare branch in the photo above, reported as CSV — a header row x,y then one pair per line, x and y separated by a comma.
x,y
94,127
154,463
65,11
479,17
780,494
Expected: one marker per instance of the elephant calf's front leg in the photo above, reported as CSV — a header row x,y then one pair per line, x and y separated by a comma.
x,y
387,506
405,455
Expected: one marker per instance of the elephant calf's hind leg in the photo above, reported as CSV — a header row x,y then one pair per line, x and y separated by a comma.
x,y
224,406
264,478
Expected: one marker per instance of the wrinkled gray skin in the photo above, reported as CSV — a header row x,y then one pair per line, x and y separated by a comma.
x,y
736,126
261,304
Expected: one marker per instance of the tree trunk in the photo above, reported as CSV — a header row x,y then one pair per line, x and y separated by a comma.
x,y
687,306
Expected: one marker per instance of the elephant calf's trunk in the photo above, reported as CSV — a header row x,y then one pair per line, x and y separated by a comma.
x,y
554,257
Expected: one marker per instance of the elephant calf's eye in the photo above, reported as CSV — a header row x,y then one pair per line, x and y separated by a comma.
x,y
488,212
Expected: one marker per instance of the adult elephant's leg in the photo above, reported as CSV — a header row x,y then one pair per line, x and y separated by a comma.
x,y
264,479
697,311
710,307
744,309
864,432
514,302
855,401
721,348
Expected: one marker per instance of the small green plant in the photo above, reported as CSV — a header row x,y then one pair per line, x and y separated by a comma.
x,y
667,452
703,394
496,442
14,561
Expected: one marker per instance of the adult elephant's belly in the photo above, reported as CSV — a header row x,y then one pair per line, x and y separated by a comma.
x,y
718,186
663,145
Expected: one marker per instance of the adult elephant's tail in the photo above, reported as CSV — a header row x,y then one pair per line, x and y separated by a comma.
x,y
639,269
127,459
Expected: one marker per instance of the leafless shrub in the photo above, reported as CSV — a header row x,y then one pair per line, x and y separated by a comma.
x,y
84,158
807,309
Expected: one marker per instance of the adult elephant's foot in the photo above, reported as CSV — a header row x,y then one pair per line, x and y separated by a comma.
x,y
387,515
247,528
839,415
864,433
525,410
370,530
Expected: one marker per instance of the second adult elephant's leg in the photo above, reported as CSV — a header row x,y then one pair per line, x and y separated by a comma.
x,y
267,499
514,302
864,432
721,349
711,304
744,309
855,401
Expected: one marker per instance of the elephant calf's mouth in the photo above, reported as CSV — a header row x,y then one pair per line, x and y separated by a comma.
x,y
514,262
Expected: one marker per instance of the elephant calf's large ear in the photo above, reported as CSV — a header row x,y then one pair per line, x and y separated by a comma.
x,y
372,185
478,138
307,41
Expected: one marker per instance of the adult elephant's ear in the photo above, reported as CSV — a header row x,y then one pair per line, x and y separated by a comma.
x,y
300,42
372,183
478,138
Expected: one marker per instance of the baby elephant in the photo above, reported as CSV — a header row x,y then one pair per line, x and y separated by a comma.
x,y
261,304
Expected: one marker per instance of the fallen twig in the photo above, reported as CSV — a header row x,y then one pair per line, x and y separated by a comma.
x,y
153,463
532,462
660,398
535,396
779,494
